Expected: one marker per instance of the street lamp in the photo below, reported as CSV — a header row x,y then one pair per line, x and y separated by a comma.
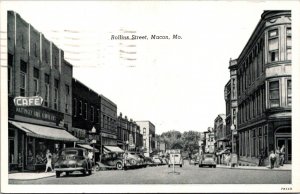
x,y
232,135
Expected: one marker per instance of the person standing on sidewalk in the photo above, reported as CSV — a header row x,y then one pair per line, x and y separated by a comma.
x,y
272,159
49,160
277,152
261,157
281,155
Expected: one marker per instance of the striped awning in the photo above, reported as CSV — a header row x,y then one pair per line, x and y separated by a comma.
x,y
44,132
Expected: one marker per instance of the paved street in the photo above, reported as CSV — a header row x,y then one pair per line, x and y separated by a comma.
x,y
189,174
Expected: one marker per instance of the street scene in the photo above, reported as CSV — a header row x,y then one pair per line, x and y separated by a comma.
x,y
126,108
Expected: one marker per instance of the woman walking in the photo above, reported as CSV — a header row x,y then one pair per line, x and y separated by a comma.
x,y
49,160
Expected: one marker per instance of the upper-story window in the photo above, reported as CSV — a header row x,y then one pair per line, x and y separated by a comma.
x,y
23,78
85,111
9,73
273,45
92,114
75,107
36,81
47,90
289,92
289,43
144,131
80,107
67,95
274,94
35,50
56,85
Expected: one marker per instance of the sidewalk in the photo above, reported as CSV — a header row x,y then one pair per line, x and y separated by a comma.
x,y
29,175
285,167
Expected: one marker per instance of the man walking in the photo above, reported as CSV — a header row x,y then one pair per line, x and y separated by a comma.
x,y
272,159
49,160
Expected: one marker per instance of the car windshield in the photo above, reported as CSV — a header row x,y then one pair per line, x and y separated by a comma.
x,y
69,152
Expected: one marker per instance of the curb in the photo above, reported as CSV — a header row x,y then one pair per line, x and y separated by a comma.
x,y
274,169
20,179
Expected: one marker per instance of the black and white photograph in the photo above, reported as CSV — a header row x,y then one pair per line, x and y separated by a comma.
x,y
149,96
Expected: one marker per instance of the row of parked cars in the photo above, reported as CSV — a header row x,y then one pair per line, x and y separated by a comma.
x,y
76,159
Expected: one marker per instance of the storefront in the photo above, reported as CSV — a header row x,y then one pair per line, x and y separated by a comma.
x,y
28,144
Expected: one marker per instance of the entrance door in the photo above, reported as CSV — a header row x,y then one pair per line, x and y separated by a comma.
x,y
287,142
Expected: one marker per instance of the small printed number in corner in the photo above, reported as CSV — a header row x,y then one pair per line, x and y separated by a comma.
x,y
286,188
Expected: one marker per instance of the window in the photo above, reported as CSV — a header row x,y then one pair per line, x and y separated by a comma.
x,y
23,78
9,73
273,45
273,33
274,93
23,41
46,56
47,90
80,107
85,111
144,131
289,92
55,63
75,107
289,43
36,77
98,116
233,88
56,85
92,114
67,95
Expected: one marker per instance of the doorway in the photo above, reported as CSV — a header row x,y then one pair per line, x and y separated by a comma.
x,y
287,142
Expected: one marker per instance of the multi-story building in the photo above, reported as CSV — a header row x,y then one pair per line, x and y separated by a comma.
x,y
129,136
148,131
108,115
209,141
36,67
231,105
265,88
222,135
86,116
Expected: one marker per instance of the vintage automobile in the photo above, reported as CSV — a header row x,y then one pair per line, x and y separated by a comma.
x,y
207,160
73,159
149,161
157,160
135,159
175,159
111,160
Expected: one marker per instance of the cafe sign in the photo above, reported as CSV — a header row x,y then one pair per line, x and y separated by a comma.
x,y
21,101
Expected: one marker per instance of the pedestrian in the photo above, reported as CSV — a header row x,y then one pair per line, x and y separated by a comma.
x,y
277,152
272,159
49,160
261,157
125,156
281,155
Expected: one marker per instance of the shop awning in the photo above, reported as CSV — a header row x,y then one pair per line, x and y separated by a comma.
x,y
112,149
44,132
88,147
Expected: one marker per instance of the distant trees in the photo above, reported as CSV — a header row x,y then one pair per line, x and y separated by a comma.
x,y
188,140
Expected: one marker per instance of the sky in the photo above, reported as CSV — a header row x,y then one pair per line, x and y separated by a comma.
x,y
177,84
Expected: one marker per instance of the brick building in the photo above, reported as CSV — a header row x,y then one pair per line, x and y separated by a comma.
x,y
36,67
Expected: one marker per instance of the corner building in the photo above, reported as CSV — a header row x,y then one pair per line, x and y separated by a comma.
x,y
264,89
36,67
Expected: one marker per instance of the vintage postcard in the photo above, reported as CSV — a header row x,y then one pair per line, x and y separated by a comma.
x,y
149,96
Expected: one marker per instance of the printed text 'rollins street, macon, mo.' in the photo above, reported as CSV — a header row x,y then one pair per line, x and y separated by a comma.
x,y
145,37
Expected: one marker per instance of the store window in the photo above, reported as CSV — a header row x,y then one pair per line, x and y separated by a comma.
x,y
274,94
56,94
47,90
289,92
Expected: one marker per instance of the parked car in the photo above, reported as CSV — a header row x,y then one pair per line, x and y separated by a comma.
x,y
157,160
175,159
134,159
111,160
207,160
73,159
149,161
196,159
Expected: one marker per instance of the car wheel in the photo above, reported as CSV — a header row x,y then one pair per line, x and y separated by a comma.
x,y
180,165
119,166
200,165
214,166
89,171
97,167
57,174
169,165
67,173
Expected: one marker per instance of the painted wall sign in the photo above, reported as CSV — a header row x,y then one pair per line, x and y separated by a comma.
x,y
28,101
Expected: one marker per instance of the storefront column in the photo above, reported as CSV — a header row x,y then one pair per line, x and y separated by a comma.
x,y
16,142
